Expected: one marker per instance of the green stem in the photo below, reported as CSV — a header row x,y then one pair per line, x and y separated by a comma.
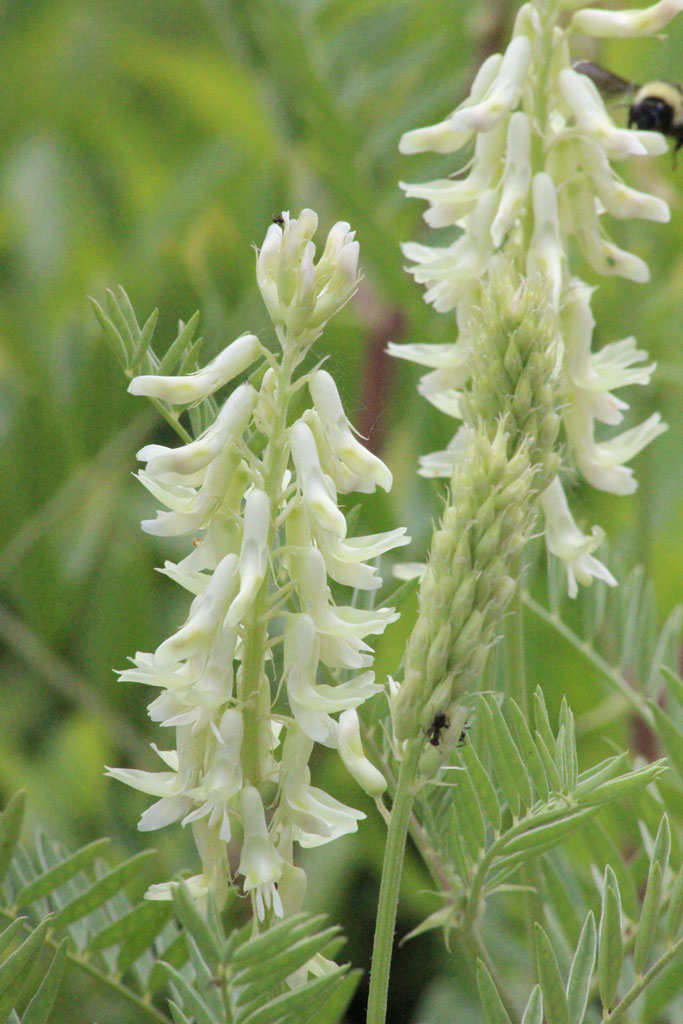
x,y
391,881
256,631
618,1012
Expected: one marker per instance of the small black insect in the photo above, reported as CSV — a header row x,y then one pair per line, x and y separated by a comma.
x,y
439,722
462,738
277,218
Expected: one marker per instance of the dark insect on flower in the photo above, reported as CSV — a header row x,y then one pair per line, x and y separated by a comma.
x,y
462,738
656,107
439,722
277,218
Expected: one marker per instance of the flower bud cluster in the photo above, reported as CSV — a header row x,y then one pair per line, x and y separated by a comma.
x,y
300,294
537,188
467,583
266,663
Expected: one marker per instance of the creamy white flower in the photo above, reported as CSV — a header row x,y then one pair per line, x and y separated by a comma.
x,y
565,540
585,103
618,199
441,138
351,752
619,24
207,612
361,462
222,780
253,560
340,628
191,388
260,863
318,495
503,93
452,199
300,294
451,272
184,465
603,255
594,375
312,815
312,703
516,176
546,253
602,463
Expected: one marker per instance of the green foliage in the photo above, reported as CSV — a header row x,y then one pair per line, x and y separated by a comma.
x,y
516,794
75,909
151,143
609,971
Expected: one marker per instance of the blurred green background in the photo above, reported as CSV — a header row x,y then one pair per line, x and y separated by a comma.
x,y
150,144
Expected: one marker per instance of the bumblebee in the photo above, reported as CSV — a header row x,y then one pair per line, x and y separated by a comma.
x,y
656,107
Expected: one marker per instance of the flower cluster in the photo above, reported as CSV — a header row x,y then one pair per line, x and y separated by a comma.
x,y
538,183
266,664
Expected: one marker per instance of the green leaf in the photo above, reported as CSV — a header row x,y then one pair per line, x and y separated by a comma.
x,y
40,1006
191,1001
554,1000
569,757
276,971
111,334
624,785
104,888
508,748
144,920
483,787
15,970
178,347
299,1005
543,722
469,817
335,1006
671,736
530,753
145,339
491,1002
548,763
123,304
10,828
599,773
50,880
533,1012
119,320
275,939
581,971
649,916
545,836
175,954
10,933
674,684
610,940
675,913
177,1014
498,759
196,926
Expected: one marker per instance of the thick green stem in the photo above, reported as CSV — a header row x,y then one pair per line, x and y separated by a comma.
x,y
391,881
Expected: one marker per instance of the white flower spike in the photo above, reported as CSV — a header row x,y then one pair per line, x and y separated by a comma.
x,y
257,494
539,188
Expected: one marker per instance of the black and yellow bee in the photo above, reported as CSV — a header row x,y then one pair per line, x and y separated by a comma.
x,y
656,107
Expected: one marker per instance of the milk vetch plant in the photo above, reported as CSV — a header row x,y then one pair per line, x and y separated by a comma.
x,y
267,664
541,182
